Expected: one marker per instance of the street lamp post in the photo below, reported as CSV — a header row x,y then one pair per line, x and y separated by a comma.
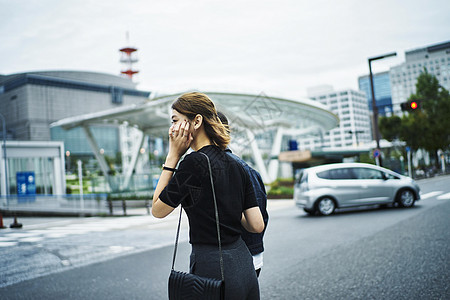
x,y
356,134
4,154
376,131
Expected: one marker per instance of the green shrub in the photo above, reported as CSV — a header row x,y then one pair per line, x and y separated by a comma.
x,y
282,186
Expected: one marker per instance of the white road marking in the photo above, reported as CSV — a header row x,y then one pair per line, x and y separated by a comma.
x,y
444,197
8,244
31,239
41,232
22,234
430,194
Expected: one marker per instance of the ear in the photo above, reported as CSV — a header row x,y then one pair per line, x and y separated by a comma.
x,y
198,121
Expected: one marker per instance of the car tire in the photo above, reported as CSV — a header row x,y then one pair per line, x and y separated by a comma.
x,y
406,198
325,206
310,211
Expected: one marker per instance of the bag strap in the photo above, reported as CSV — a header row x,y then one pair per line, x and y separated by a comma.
x,y
217,223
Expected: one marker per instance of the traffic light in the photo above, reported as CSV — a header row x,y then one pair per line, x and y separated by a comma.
x,y
411,105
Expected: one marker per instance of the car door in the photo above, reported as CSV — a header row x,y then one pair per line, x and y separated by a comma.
x,y
340,183
374,186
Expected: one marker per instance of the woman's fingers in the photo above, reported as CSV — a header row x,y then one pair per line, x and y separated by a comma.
x,y
186,129
180,132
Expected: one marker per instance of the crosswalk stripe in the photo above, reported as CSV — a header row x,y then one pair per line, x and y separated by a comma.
x,y
8,244
64,229
430,194
444,197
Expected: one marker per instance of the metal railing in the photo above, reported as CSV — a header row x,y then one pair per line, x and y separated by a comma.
x,y
90,204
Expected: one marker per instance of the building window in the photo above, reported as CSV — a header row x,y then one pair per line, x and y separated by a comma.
x,y
116,95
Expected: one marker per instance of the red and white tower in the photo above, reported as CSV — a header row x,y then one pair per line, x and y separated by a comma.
x,y
128,58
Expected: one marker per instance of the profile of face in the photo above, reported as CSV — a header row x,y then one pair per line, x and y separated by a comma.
x,y
178,119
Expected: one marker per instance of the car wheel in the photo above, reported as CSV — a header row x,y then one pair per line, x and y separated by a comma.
x,y
406,198
309,211
326,206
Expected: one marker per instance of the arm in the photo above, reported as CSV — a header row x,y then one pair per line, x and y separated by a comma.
x,y
252,220
159,208
179,142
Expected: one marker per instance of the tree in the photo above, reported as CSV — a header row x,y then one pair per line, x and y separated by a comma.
x,y
390,127
427,127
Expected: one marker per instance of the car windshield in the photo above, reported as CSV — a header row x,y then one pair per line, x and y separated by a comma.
x,y
301,177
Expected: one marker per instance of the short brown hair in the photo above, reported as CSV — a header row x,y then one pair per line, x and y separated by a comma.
x,y
191,104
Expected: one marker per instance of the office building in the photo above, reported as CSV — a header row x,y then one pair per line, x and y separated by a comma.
x,y
351,107
435,59
31,101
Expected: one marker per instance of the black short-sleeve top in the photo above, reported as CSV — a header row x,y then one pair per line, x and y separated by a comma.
x,y
191,186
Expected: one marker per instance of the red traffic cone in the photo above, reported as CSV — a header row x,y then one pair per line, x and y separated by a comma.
x,y
1,222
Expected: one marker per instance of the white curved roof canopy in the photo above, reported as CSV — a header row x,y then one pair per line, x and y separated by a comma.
x,y
256,112
261,112
248,115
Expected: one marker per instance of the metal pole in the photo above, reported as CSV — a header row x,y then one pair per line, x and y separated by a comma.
x,y
80,182
375,115
4,155
409,164
376,131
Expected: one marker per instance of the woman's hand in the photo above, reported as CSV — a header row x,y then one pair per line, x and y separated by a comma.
x,y
180,139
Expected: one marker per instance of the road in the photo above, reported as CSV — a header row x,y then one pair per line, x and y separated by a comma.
x,y
368,253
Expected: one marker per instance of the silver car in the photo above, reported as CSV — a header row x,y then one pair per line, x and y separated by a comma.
x,y
324,188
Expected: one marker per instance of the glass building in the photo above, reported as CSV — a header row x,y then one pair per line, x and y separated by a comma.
x,y
76,143
382,89
43,161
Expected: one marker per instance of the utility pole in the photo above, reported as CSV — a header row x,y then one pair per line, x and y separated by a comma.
x,y
376,131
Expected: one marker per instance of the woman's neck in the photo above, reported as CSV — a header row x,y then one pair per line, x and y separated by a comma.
x,y
200,141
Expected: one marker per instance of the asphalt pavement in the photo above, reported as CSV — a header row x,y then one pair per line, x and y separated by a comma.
x,y
362,254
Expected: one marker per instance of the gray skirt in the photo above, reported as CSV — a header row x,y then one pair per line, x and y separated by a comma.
x,y
240,276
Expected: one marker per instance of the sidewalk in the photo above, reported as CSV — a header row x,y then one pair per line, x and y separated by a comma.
x,y
34,222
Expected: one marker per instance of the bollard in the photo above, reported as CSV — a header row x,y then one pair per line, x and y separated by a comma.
x,y
124,207
1,222
15,224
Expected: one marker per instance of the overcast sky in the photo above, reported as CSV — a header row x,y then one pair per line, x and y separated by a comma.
x,y
280,47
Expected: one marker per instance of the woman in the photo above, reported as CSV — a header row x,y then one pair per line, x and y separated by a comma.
x,y
195,124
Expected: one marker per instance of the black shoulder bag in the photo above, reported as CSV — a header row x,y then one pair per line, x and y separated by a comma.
x,y
184,285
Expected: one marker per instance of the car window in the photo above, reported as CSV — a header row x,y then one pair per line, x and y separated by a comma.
x,y
366,173
337,174
324,174
390,176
